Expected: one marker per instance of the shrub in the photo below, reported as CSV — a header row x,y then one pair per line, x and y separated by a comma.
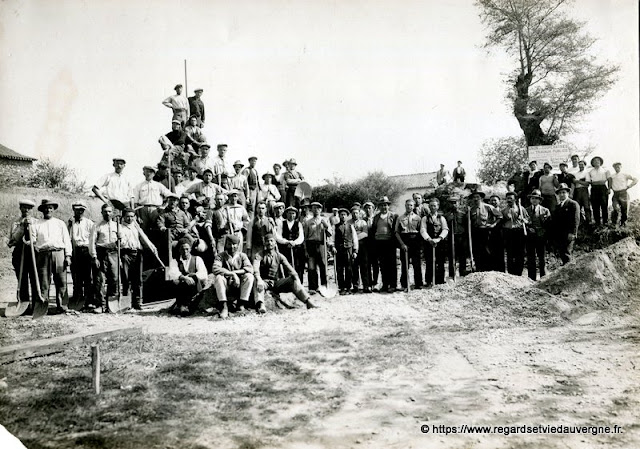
x,y
50,175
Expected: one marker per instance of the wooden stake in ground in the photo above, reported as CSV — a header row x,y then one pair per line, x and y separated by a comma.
x,y
95,368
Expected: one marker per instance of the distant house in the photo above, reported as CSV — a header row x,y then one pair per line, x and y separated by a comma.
x,y
418,182
14,165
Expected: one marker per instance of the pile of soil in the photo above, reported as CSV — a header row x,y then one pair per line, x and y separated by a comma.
x,y
605,280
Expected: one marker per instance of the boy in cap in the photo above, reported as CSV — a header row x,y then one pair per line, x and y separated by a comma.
x,y
290,239
114,186
81,231
514,221
317,230
17,233
233,274
566,219
434,230
267,265
539,218
346,249
383,230
598,177
148,196
619,184
196,106
361,263
178,104
407,232
52,243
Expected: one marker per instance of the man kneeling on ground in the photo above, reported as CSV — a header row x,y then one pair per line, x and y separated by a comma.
x,y
234,274
266,269
189,283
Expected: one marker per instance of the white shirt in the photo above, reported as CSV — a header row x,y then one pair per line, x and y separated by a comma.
x,y
290,225
597,175
150,193
221,166
132,237
201,270
619,181
51,234
580,176
115,187
176,102
573,170
81,231
202,163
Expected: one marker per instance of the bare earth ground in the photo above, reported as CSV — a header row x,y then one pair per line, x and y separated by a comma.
x,y
362,371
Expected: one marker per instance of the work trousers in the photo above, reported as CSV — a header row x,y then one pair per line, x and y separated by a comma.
x,y
107,274
295,256
386,252
600,204
361,266
315,259
132,273
441,253
515,244
224,289
374,267
28,271
536,251
284,285
549,201
344,261
480,248
620,204
564,246
50,264
496,250
461,250
185,294
81,273
413,242
581,196
148,216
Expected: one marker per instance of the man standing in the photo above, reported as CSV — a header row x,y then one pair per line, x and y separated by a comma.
x,y
204,162
253,180
132,238
566,219
240,183
290,239
565,177
459,173
52,244
619,184
598,178
174,220
483,218
442,175
316,231
519,183
261,226
220,165
361,264
458,242
16,235
190,281
292,178
434,231
279,181
114,186
575,168
206,188
346,248
267,271
514,220
581,192
539,217
217,219
382,228
148,196
532,177
178,104
237,217
407,232
81,232
547,183
103,249
196,107
233,274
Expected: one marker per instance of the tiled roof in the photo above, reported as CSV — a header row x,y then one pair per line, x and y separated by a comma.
x,y
8,153
417,180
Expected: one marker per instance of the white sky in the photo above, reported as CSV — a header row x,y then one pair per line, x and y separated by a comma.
x,y
344,86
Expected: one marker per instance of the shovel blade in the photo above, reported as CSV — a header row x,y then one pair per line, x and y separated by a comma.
x,y
76,303
15,309
327,292
114,304
40,308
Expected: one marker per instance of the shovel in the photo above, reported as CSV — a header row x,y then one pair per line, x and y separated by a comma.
x,y
40,304
76,301
303,190
324,290
433,266
114,304
406,269
19,307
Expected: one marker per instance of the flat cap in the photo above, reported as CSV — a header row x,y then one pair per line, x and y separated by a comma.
x,y
26,202
150,168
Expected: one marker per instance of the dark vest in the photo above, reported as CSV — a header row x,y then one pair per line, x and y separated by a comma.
x,y
190,269
290,234
343,239
270,271
434,228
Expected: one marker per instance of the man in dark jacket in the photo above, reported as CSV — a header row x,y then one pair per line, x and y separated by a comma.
x,y
196,107
566,219
382,231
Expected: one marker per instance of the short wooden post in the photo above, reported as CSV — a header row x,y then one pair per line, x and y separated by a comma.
x,y
95,368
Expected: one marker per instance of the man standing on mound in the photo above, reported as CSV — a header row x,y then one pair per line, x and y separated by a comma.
x,y
266,268
566,219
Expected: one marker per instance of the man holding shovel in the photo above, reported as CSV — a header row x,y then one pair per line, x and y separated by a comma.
x,y
407,232
20,257
434,231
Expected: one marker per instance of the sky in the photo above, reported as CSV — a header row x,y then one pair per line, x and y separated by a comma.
x,y
344,86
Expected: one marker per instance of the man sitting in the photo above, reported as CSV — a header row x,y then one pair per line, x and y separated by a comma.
x,y
266,269
192,274
234,274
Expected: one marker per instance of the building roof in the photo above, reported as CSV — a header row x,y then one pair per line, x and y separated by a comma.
x,y
8,153
417,180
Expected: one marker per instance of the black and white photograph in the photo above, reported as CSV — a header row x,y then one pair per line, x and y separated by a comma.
x,y
319,224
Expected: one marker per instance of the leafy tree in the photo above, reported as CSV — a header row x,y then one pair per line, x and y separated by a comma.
x,y
499,159
557,79
374,185
50,175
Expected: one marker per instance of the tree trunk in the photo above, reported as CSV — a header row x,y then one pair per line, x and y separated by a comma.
x,y
529,121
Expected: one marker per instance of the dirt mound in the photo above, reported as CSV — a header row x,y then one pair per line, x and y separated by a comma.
x,y
605,279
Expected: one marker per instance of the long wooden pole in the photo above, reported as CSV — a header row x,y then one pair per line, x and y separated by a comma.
x,y
95,368
186,90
